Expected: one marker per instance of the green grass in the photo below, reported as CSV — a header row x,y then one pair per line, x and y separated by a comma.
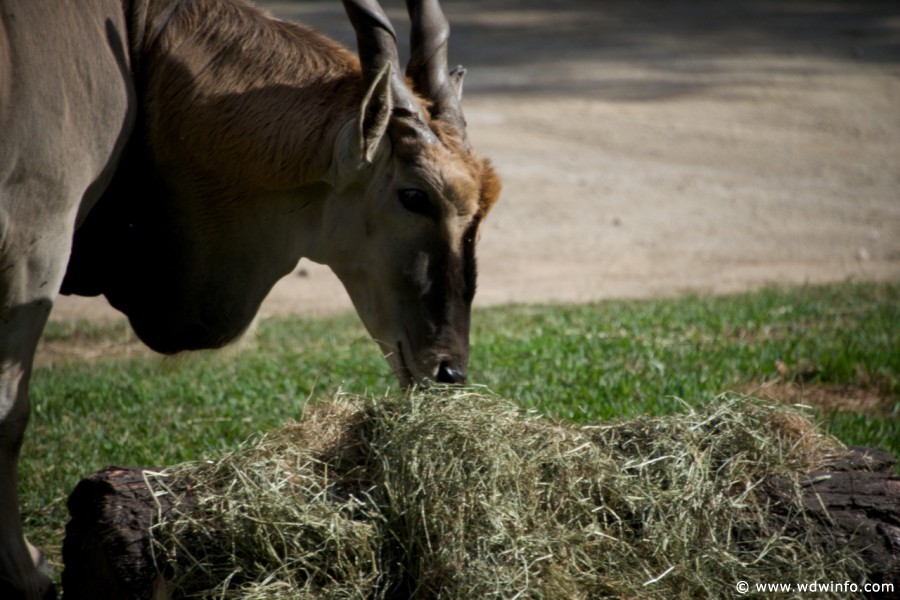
x,y
603,361
622,359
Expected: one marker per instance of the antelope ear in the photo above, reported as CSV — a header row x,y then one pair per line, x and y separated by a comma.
x,y
375,114
456,78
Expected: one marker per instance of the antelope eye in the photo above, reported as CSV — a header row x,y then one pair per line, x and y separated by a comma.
x,y
417,201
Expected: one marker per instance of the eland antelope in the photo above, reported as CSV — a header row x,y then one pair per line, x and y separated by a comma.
x,y
180,156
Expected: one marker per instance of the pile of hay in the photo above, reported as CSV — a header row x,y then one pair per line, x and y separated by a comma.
x,y
460,494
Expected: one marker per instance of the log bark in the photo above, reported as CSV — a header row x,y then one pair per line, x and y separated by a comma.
x,y
855,501
106,550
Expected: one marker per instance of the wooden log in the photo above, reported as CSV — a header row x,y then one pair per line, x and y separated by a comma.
x,y
856,502
107,550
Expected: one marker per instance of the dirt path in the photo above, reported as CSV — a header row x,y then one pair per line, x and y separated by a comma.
x,y
657,147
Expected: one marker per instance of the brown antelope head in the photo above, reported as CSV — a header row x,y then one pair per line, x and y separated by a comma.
x,y
409,199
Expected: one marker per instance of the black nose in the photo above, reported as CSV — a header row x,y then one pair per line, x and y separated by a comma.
x,y
447,374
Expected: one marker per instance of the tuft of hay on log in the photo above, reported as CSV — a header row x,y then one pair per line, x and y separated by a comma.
x,y
456,493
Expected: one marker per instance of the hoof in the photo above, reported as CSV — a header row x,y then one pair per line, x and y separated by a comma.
x,y
37,585
43,566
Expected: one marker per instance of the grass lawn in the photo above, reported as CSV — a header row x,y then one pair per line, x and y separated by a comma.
x,y
836,347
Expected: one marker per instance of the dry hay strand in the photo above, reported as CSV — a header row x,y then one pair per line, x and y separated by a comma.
x,y
461,494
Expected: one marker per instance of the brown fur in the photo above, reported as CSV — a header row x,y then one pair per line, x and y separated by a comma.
x,y
264,95
477,169
204,78
480,168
